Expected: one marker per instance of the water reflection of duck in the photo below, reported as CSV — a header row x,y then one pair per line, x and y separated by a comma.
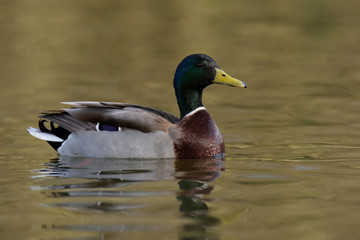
x,y
194,177
132,170
121,130
94,184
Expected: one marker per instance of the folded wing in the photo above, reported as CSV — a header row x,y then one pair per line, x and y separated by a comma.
x,y
86,115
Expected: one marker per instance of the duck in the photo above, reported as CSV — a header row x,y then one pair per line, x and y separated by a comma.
x,y
124,130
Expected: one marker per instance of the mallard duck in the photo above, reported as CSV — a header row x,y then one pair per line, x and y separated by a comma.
x,y
122,130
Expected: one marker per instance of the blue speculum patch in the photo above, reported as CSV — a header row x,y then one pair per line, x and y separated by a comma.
x,y
106,127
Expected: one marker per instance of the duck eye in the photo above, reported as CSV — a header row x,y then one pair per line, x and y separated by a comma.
x,y
200,64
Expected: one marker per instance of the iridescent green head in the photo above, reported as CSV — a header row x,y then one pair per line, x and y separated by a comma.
x,y
193,74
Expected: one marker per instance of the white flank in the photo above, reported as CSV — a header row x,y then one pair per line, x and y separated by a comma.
x,y
43,135
195,111
124,144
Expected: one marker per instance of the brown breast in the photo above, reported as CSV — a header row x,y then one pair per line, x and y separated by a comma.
x,y
198,136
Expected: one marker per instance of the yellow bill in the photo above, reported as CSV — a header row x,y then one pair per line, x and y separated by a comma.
x,y
223,78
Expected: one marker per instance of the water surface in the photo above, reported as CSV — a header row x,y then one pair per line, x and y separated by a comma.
x,y
292,162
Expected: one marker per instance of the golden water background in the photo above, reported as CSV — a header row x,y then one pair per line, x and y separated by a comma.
x,y
292,137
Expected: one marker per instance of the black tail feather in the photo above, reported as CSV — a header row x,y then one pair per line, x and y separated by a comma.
x,y
57,131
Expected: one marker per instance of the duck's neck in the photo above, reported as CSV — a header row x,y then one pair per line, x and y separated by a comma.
x,y
188,100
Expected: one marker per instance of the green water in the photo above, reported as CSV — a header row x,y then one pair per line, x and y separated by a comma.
x,y
292,165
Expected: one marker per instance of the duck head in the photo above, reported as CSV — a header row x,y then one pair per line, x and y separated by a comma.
x,y
194,73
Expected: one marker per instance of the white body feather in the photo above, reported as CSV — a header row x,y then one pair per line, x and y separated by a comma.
x,y
43,135
124,144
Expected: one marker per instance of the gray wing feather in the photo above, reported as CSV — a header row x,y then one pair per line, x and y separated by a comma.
x,y
68,122
85,115
88,104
